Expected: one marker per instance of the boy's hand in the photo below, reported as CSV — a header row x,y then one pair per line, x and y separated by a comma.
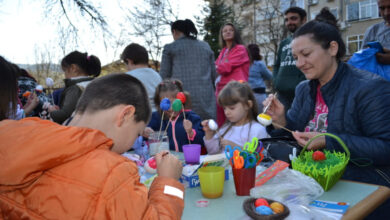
x,y
168,165
147,131
187,124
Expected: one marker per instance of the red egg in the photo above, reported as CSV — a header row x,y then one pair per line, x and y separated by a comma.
x,y
260,202
181,97
318,156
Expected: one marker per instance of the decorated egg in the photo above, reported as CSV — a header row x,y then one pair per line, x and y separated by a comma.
x,y
264,119
212,125
49,82
181,97
260,202
39,88
277,207
264,210
165,104
318,156
151,165
176,105
26,94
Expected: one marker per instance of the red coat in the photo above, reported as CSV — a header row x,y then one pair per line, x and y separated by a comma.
x,y
49,171
234,65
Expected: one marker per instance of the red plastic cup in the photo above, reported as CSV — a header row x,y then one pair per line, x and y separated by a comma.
x,y
244,180
191,153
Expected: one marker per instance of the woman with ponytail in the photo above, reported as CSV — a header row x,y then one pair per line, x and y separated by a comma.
x,y
192,62
80,69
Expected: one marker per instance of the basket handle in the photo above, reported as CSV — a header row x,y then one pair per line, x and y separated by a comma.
x,y
341,142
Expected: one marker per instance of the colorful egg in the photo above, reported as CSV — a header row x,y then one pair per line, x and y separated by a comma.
x,y
151,165
264,119
181,97
165,104
212,125
260,202
176,105
277,207
318,156
264,210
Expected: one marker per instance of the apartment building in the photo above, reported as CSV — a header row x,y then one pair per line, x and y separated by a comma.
x,y
264,24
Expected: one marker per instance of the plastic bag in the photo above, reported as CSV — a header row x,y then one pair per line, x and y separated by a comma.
x,y
289,187
365,59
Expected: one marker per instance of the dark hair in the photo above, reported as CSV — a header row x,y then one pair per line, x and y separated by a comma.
x,y
112,90
297,10
254,52
89,64
170,85
326,16
236,39
186,26
8,88
136,53
323,33
235,92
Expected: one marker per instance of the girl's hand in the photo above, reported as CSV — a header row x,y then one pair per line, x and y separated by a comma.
x,y
147,131
187,124
225,142
275,110
208,132
303,137
32,102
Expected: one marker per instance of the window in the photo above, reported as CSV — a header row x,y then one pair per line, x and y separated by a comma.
x,y
285,4
354,43
362,10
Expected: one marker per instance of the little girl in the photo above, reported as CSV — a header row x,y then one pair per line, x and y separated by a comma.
x,y
180,130
240,108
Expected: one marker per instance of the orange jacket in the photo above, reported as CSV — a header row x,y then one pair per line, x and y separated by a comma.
x,y
49,171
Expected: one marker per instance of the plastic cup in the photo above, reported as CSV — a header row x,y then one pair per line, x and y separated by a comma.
x,y
211,180
191,153
244,180
158,142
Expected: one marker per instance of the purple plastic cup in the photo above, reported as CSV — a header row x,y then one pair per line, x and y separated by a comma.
x,y
191,153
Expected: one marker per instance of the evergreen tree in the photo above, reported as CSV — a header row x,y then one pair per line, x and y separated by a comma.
x,y
219,15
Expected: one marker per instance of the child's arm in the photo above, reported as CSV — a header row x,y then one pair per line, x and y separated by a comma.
x,y
124,197
194,129
211,139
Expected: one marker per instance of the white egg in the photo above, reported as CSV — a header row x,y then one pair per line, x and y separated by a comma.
x,y
264,121
212,125
147,166
39,88
49,82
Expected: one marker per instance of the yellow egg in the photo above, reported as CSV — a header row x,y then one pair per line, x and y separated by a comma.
x,y
276,207
264,119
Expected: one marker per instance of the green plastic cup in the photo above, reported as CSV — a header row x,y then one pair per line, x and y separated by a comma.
x,y
211,180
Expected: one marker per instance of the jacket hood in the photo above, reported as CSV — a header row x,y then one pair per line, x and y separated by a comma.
x,y
31,146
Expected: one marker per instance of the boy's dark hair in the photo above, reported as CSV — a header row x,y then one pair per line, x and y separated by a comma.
x,y
136,53
235,92
90,64
187,27
323,33
8,88
237,37
112,90
170,85
298,10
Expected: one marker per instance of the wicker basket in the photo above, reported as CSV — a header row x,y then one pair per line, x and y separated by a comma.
x,y
250,209
326,172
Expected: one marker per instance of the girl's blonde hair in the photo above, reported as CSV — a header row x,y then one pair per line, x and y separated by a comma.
x,y
235,92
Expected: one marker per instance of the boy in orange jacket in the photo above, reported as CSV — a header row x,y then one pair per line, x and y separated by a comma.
x,y
49,171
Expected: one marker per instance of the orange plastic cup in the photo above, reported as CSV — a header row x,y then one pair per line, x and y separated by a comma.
x,y
211,180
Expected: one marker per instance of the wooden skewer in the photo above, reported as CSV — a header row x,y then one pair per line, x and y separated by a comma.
x,y
269,104
282,127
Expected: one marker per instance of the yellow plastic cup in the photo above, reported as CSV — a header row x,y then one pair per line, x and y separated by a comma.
x,y
211,180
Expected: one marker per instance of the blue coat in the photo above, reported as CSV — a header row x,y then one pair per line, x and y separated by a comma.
x,y
359,113
180,133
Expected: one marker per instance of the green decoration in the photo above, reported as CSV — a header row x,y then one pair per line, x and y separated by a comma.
x,y
177,105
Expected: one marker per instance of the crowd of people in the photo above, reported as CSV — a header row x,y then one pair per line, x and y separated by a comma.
x,y
75,156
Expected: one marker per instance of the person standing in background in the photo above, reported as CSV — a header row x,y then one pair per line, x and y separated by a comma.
x,y
232,63
381,32
192,62
286,75
136,59
258,73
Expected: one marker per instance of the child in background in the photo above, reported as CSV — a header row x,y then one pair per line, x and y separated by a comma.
x,y
240,108
180,130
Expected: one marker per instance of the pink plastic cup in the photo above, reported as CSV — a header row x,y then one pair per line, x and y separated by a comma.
x,y
191,153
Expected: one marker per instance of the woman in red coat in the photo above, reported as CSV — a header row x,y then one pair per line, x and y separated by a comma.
x,y
232,63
